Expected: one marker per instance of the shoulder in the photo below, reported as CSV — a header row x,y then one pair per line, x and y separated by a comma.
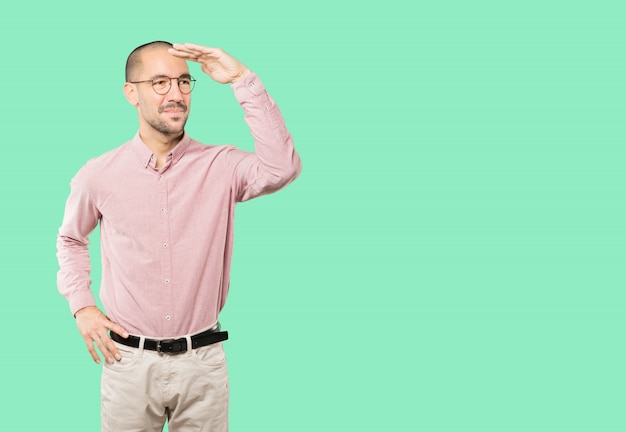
x,y
96,166
215,152
197,147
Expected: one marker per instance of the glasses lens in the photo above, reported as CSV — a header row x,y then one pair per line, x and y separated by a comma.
x,y
186,84
161,85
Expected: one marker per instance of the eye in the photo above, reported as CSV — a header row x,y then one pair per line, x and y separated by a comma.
x,y
184,81
160,82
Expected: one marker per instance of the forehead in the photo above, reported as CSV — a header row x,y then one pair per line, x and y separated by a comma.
x,y
159,62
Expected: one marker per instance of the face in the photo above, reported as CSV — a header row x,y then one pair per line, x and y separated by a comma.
x,y
167,113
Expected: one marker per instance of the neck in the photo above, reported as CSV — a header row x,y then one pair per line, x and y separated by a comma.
x,y
161,144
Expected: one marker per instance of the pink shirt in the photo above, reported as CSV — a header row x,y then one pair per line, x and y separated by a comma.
x,y
167,236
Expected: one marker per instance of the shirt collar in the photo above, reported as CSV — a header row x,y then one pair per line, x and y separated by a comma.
x,y
146,156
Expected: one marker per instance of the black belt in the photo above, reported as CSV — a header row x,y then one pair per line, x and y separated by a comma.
x,y
173,346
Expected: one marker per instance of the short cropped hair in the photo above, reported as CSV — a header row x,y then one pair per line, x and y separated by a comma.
x,y
134,59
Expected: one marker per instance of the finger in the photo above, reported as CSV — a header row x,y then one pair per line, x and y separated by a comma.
x,y
111,347
100,343
113,326
183,53
108,342
188,49
184,47
202,49
92,350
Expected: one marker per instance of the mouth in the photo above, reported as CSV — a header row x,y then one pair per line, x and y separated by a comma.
x,y
178,108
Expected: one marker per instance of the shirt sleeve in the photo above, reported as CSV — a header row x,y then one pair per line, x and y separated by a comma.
x,y
275,162
80,219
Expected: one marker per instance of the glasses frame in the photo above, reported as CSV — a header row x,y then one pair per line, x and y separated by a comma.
x,y
169,87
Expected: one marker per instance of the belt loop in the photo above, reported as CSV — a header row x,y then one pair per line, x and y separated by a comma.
x,y
189,346
142,340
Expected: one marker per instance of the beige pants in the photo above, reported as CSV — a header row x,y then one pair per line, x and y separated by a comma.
x,y
190,390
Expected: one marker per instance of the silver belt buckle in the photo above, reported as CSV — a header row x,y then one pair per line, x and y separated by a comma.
x,y
158,347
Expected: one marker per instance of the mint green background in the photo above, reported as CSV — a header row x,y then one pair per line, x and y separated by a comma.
x,y
451,258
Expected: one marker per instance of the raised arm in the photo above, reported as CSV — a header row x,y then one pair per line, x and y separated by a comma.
x,y
275,162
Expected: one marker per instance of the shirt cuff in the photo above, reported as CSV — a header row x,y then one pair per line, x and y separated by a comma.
x,y
81,300
248,87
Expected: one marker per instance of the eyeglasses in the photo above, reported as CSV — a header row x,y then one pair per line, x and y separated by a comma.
x,y
162,84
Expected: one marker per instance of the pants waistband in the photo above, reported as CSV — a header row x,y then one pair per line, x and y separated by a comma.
x,y
174,346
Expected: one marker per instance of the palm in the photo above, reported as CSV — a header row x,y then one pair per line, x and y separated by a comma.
x,y
220,69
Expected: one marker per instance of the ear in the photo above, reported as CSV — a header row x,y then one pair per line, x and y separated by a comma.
x,y
130,91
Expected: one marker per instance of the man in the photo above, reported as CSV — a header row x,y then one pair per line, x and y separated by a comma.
x,y
165,204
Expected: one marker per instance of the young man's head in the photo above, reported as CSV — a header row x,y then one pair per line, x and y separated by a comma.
x,y
159,85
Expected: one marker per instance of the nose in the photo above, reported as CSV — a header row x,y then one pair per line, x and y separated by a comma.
x,y
174,93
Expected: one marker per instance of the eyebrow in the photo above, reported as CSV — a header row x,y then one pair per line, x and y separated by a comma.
x,y
185,75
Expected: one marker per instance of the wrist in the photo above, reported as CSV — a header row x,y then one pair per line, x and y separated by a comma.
x,y
86,308
241,75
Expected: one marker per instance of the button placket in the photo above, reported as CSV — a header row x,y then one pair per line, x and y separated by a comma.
x,y
165,250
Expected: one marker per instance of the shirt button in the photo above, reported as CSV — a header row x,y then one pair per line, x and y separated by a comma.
x,y
162,210
164,245
168,317
167,281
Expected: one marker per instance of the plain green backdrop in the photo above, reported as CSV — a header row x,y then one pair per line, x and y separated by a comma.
x,y
451,258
